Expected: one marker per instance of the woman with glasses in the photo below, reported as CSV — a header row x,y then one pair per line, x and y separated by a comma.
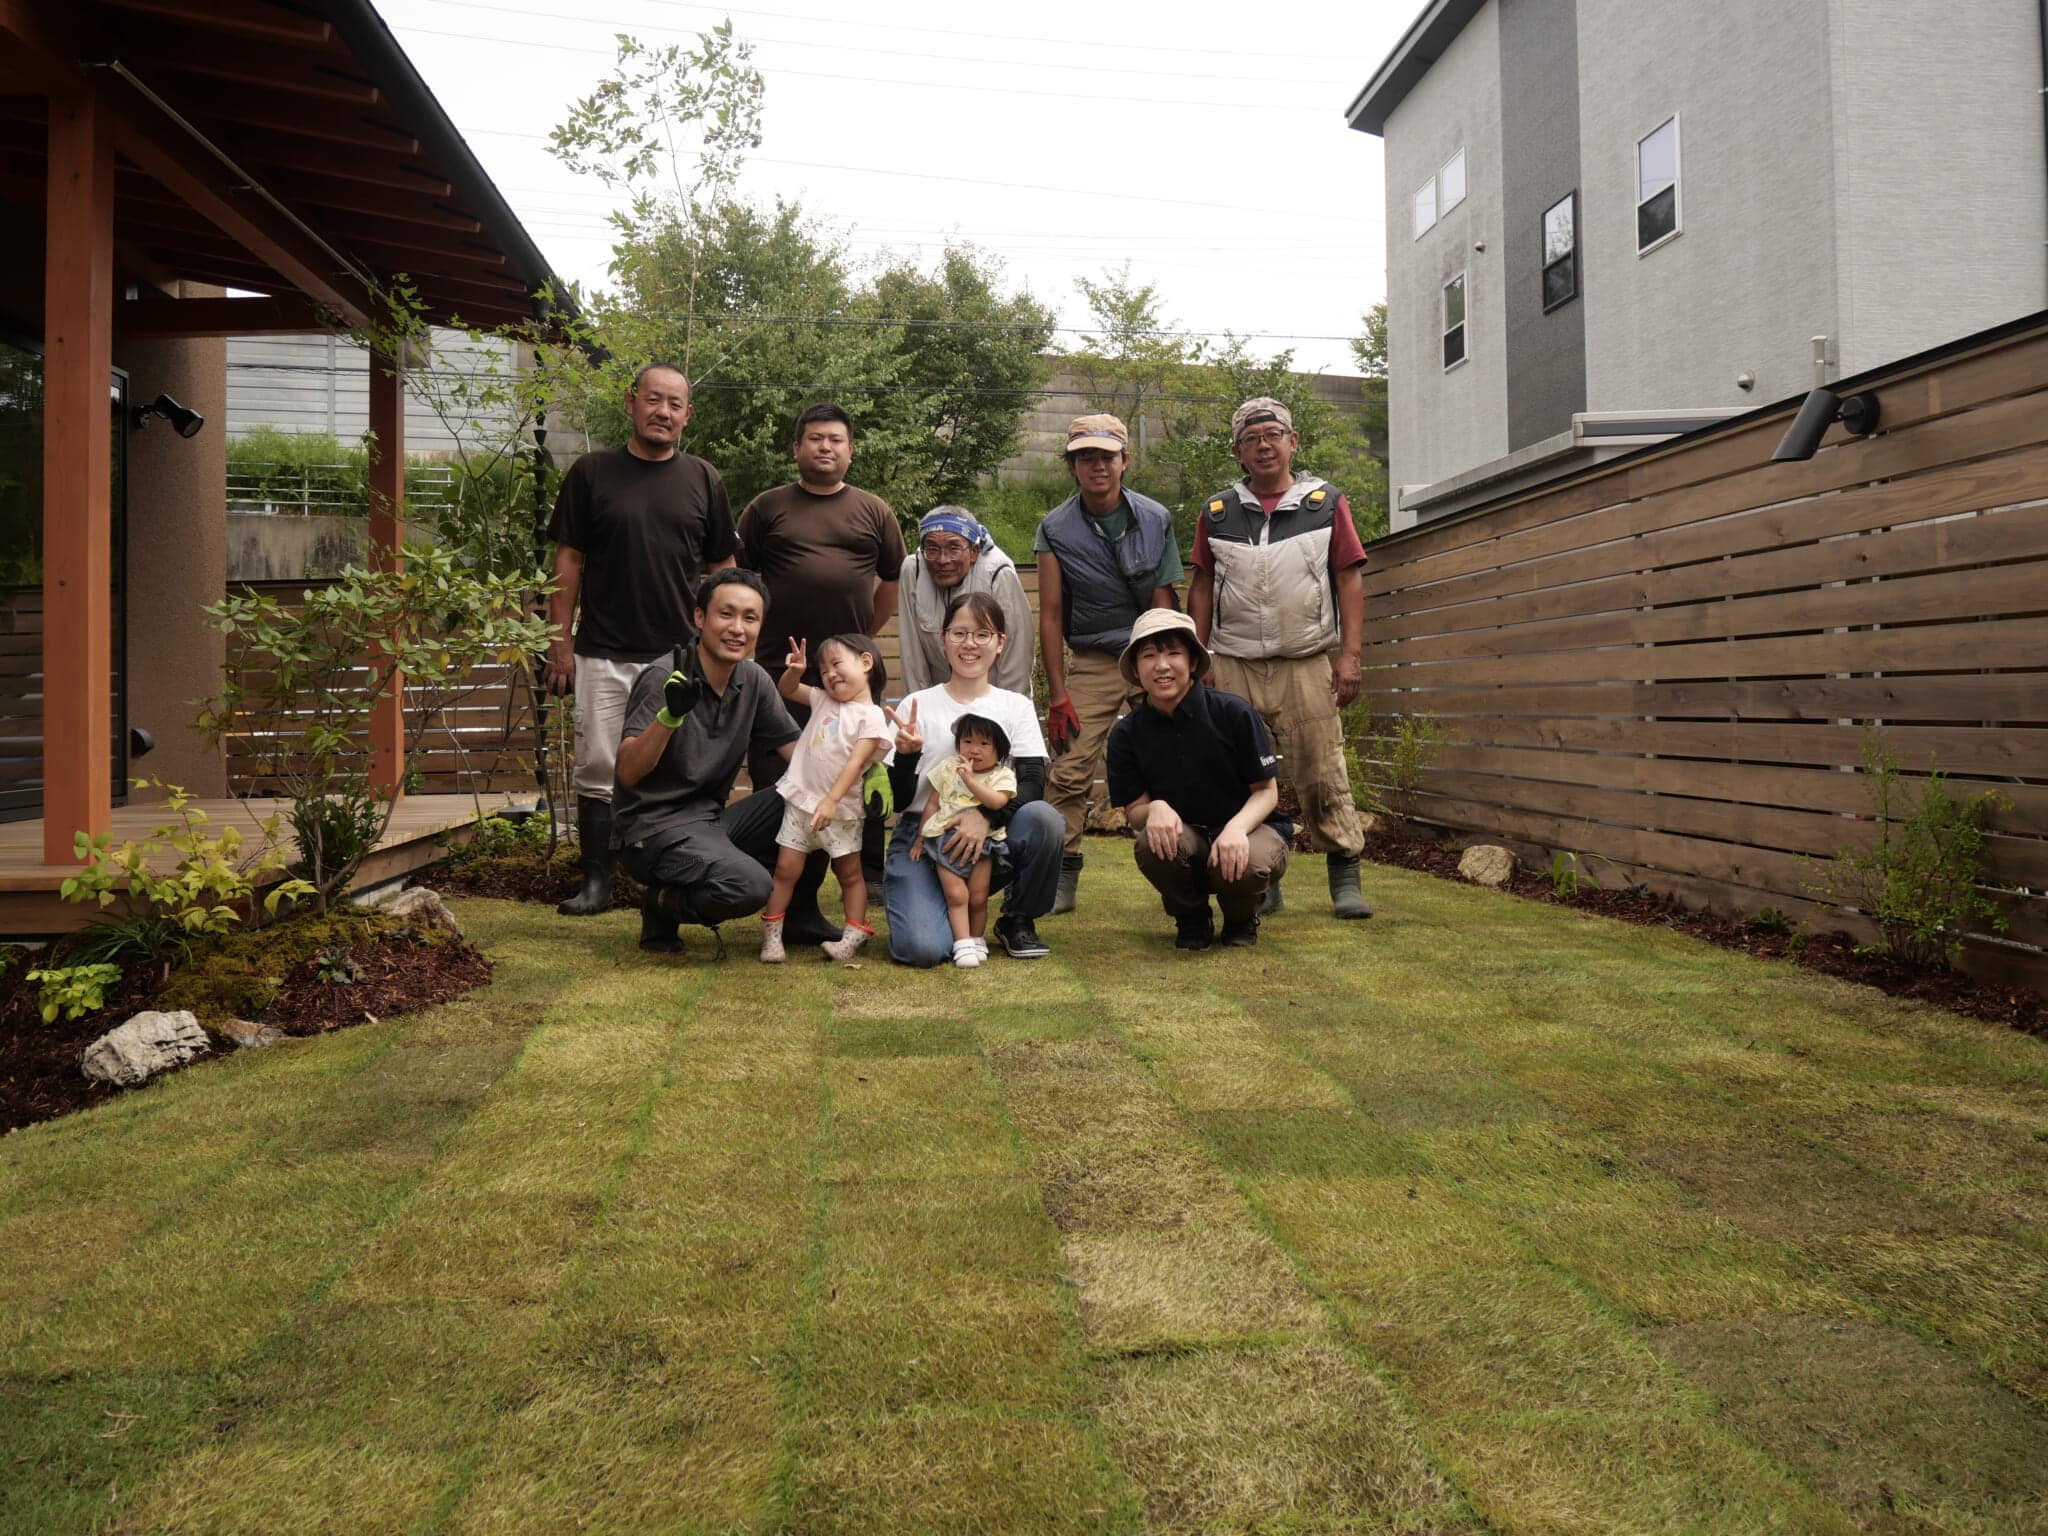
x,y
1027,858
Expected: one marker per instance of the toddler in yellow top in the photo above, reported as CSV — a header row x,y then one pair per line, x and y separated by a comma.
x,y
820,789
977,776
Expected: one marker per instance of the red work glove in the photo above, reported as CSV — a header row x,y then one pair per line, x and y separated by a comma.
x,y
1062,725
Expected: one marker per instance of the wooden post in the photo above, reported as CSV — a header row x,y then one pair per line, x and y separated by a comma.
x,y
387,535
78,362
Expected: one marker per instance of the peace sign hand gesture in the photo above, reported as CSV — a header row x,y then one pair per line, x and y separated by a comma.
x,y
909,739
799,657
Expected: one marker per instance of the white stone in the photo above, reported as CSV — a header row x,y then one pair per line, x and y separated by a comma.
x,y
420,907
1486,864
250,1036
147,1044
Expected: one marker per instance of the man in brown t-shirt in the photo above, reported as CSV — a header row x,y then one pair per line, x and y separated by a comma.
x,y
830,554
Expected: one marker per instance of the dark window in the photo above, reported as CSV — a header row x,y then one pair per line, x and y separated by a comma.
x,y
1561,252
1454,321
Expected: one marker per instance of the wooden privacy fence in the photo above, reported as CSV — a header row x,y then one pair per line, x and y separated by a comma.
x,y
1668,661
485,743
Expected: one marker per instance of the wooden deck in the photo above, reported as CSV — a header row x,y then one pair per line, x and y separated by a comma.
x,y
31,907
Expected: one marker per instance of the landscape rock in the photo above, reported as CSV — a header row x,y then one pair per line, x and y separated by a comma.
x,y
251,1036
420,907
1486,864
147,1044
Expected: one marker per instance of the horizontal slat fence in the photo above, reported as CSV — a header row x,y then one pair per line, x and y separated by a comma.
x,y
1668,663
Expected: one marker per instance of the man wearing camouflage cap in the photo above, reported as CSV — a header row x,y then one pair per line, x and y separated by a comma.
x,y
1278,598
1105,555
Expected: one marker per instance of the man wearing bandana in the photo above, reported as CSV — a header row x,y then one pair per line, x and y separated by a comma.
x,y
955,554
1278,599
1105,555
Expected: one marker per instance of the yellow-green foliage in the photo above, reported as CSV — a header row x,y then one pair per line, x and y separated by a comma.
x,y
235,977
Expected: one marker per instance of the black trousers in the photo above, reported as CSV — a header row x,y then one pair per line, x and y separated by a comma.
x,y
724,863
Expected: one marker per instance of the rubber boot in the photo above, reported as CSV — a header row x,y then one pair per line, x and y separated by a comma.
x,y
594,837
661,911
1069,886
771,941
1272,901
1345,901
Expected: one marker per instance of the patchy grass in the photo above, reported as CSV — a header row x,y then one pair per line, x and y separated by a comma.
x,y
1481,1216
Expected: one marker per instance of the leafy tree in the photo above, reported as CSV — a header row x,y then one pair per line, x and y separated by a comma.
x,y
1369,351
1131,362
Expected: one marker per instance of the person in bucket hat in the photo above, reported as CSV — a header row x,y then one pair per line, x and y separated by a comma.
x,y
1278,597
1105,555
1193,770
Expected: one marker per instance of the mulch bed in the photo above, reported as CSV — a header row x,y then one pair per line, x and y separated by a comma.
x,y
522,877
39,1073
1834,954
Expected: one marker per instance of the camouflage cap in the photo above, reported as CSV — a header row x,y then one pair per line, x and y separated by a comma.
x,y
1097,432
1256,412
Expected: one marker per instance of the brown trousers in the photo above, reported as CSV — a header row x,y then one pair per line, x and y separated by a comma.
x,y
1294,696
1099,694
1186,881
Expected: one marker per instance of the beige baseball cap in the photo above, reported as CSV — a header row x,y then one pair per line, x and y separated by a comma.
x,y
1152,623
1256,412
1097,432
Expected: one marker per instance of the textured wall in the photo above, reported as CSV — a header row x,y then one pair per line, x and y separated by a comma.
x,y
1937,165
177,554
1751,278
1440,423
1539,92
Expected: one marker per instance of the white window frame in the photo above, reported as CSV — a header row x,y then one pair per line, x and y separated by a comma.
x,y
1677,186
1415,203
1442,206
1462,281
1569,200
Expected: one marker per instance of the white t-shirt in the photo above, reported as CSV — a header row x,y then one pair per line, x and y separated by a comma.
x,y
937,710
828,740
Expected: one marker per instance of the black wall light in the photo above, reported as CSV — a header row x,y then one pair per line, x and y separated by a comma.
x,y
184,421
1819,411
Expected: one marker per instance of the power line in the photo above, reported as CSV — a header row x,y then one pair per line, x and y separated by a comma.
x,y
896,53
929,85
865,24
982,181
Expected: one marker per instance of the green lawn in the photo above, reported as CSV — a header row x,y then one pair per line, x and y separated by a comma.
x,y
1482,1216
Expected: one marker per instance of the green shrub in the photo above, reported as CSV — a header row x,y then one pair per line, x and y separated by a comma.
x,y
1389,759
336,829
74,990
496,837
1918,882
170,902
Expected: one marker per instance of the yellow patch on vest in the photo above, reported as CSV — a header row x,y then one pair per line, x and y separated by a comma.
x,y
1315,497
1216,505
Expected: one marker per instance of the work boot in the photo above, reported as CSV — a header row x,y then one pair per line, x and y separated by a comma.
x,y
1272,901
661,911
1241,935
1070,884
1345,901
594,837
1194,932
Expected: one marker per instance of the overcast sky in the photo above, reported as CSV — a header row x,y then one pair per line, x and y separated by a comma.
x,y
1206,144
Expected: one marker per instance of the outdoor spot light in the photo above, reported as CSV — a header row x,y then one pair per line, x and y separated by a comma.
x,y
185,422
141,741
1817,412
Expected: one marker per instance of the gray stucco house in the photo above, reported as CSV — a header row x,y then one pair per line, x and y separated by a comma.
x,y
1610,220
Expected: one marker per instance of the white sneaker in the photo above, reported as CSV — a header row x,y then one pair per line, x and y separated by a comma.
x,y
967,953
981,948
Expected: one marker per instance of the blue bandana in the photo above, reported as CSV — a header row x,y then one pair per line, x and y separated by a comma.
x,y
951,520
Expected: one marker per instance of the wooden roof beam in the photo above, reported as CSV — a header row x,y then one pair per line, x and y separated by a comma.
x,y
241,18
184,52
278,315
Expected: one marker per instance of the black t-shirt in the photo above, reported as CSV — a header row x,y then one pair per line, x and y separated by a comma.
x,y
1202,759
821,557
648,530
694,777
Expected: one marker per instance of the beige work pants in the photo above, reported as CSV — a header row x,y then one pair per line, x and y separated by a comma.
x,y
1293,695
1099,695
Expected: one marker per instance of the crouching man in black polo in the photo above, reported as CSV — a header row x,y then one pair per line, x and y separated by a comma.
x,y
1193,771
689,725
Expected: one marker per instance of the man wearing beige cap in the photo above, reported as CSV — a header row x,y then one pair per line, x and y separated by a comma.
x,y
1278,597
1192,768
1105,555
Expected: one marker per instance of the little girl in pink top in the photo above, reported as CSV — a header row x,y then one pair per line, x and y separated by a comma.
x,y
821,793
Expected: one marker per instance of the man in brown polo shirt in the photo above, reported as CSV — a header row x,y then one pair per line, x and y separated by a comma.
x,y
830,554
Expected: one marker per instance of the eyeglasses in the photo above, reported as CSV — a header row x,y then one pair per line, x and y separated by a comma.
x,y
971,636
1261,439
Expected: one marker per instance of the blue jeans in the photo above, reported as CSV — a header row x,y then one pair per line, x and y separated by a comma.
x,y
919,933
